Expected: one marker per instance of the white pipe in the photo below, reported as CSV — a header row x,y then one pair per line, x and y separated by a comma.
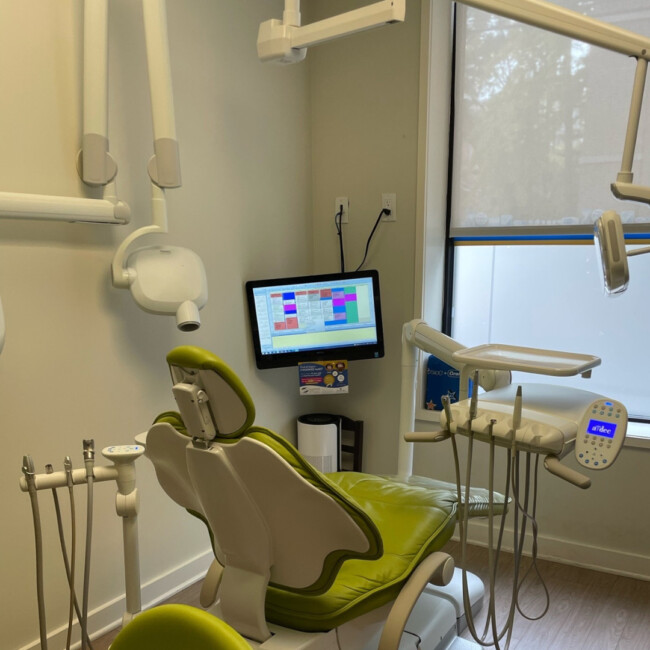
x,y
407,401
60,479
131,567
291,15
159,65
62,208
625,174
95,73
550,17
120,274
350,22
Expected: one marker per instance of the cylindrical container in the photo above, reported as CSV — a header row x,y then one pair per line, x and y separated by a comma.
x,y
319,440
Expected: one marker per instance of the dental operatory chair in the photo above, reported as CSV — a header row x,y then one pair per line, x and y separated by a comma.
x,y
304,559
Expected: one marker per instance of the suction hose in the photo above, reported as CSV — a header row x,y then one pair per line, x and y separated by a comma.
x,y
68,562
28,471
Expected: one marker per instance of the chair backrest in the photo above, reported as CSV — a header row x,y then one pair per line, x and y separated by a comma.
x,y
269,511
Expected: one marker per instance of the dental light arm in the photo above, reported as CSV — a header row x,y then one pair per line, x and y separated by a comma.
x,y
565,22
550,17
286,41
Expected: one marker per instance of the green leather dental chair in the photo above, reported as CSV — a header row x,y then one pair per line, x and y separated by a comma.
x,y
297,552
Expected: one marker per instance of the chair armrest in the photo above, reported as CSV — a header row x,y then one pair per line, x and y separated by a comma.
x,y
438,569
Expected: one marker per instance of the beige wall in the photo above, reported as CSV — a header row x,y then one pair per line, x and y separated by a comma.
x,y
81,359
364,97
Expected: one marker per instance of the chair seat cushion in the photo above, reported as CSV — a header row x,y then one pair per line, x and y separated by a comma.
x,y
414,519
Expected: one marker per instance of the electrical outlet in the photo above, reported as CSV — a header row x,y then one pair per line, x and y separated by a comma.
x,y
342,202
389,202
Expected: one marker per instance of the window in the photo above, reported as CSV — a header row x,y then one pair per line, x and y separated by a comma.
x,y
540,124
539,127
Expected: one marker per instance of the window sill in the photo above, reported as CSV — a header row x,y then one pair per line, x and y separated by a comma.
x,y
638,433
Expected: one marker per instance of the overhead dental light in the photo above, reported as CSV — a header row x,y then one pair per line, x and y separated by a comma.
x,y
286,40
610,244
162,279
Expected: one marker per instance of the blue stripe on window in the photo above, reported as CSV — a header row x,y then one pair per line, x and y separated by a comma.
x,y
631,237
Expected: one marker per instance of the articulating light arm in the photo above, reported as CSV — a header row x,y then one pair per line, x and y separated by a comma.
x,y
286,41
565,22
550,17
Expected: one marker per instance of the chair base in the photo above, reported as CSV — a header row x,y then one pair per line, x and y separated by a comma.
x,y
435,622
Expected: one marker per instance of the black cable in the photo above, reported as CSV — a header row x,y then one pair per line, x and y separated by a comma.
x,y
339,231
383,212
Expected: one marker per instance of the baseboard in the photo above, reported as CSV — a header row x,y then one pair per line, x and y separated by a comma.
x,y
565,551
108,616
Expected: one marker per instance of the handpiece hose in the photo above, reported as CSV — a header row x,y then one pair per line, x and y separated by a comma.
x,y
28,471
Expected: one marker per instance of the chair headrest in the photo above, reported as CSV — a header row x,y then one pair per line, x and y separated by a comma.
x,y
229,403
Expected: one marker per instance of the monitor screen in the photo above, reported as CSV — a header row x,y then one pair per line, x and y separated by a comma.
x,y
315,317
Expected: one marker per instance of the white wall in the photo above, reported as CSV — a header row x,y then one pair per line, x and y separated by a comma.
x,y
81,360
364,97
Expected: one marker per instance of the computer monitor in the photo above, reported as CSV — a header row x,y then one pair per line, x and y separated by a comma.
x,y
315,317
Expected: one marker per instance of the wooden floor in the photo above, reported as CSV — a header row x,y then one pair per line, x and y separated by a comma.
x,y
588,610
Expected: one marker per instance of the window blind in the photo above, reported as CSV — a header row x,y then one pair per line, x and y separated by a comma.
x,y
539,128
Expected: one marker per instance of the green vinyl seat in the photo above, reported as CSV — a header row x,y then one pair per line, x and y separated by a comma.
x,y
400,523
178,627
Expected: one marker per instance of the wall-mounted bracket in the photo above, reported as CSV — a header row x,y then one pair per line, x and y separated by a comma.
x,y
164,166
95,165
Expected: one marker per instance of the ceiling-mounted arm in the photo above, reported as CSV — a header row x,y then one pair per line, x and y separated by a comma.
x,y
164,166
95,164
286,41
550,17
623,188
